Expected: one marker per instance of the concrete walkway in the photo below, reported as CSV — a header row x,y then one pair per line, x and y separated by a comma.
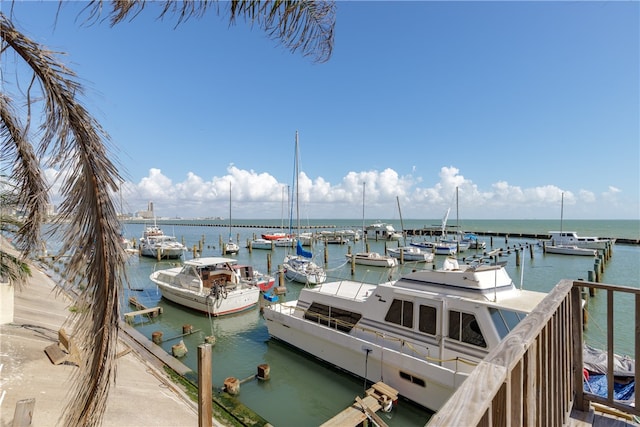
x,y
142,395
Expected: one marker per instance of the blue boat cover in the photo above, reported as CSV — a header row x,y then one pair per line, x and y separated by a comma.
x,y
597,384
302,252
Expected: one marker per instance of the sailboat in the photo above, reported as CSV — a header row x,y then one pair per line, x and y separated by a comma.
x,y
563,249
409,253
230,247
370,258
299,267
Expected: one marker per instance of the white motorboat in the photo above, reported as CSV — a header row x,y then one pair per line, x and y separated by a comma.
x,y
261,243
155,244
473,241
570,250
438,248
411,253
381,231
214,285
373,259
285,242
571,238
422,334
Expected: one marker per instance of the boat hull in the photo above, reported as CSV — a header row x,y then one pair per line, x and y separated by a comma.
x,y
373,261
571,250
350,353
235,302
165,253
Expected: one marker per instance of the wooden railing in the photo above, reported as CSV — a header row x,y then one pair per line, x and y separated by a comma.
x,y
535,376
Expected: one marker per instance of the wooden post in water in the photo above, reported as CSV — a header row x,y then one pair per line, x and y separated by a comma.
x,y
268,263
531,251
517,258
204,386
326,253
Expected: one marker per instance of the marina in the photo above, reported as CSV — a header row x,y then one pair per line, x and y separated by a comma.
x,y
242,341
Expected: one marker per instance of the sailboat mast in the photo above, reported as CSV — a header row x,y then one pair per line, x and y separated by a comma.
x,y
297,171
364,232
229,209
401,222
457,215
561,212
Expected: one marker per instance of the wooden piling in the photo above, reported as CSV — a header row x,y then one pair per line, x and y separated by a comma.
x,y
204,386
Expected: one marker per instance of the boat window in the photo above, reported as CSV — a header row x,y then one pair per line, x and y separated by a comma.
x,y
342,320
505,320
401,313
427,321
318,313
464,327
415,380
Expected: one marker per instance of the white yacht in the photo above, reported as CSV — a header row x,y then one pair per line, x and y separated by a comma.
x,y
422,334
155,244
571,238
381,231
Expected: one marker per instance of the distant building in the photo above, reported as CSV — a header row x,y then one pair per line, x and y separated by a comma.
x,y
148,214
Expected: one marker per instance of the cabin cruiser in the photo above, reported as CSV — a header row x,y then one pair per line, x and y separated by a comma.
x,y
571,238
155,244
214,285
381,231
422,334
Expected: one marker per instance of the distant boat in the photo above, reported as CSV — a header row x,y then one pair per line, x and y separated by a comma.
x,y
260,243
373,259
382,231
571,238
438,248
155,244
569,243
411,253
214,285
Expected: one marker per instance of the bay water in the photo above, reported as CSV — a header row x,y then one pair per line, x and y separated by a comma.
x,y
303,391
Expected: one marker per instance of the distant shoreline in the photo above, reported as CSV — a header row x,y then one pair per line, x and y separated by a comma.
x,y
424,231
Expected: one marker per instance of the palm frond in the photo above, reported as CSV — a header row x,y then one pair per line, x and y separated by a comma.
x,y
306,26
77,144
32,196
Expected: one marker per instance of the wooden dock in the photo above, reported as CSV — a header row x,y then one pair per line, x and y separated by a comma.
x,y
377,397
141,310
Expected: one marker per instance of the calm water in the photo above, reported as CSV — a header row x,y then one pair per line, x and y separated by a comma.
x,y
305,392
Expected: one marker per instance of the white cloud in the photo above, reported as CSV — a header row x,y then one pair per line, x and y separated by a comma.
x,y
260,195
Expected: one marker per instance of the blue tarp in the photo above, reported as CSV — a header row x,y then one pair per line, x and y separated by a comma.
x,y
302,252
597,384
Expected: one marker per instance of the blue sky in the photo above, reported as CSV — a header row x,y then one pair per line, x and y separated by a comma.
x,y
514,103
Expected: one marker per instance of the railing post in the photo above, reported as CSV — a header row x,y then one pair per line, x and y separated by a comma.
x,y
576,345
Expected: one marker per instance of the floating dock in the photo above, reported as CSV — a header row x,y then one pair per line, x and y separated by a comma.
x,y
379,396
